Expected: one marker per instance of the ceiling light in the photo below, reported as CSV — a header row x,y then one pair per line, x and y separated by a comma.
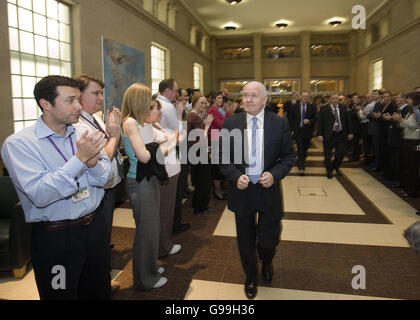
x,y
281,25
335,23
230,26
233,2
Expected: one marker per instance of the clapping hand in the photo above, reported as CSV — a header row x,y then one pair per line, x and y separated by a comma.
x,y
113,122
89,145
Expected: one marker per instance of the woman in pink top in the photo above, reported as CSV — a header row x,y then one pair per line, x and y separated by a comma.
x,y
213,134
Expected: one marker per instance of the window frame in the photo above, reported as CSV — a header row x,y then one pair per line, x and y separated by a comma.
x,y
201,77
373,77
166,64
63,65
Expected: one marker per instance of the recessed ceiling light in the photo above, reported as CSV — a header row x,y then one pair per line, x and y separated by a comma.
x,y
335,23
281,25
233,2
230,28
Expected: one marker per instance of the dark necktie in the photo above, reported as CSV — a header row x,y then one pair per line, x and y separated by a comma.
x,y
303,115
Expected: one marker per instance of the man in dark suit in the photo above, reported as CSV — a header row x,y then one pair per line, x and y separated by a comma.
x,y
303,116
394,146
254,172
287,107
334,129
379,127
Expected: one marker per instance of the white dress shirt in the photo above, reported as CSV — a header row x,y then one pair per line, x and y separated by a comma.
x,y
86,123
169,118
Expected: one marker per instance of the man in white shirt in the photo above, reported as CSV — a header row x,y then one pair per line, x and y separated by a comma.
x,y
172,119
265,160
92,99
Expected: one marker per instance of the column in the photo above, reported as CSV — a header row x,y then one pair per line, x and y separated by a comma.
x,y
305,49
213,48
257,58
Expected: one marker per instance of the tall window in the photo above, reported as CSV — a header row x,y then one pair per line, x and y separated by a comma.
x,y
198,76
40,44
376,75
159,60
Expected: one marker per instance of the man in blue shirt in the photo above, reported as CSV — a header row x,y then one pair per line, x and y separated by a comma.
x,y
58,180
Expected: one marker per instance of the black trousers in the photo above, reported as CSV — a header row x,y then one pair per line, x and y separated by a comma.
x,y
76,259
367,143
394,163
337,142
108,207
201,180
262,235
411,166
355,146
302,143
379,148
180,188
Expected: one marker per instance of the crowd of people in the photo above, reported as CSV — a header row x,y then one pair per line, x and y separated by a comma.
x,y
67,168
381,128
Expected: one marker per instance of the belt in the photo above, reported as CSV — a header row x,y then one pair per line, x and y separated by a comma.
x,y
64,224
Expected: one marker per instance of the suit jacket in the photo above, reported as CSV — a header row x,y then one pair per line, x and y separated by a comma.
x,y
395,131
279,158
295,119
326,119
287,107
355,119
379,127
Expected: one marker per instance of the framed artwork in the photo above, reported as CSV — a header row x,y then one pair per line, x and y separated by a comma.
x,y
122,66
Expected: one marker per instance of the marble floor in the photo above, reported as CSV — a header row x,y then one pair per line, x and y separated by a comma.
x,y
329,227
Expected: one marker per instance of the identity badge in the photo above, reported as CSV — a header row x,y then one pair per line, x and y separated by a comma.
x,y
82,193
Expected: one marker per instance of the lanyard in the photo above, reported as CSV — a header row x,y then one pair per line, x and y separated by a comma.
x,y
96,125
93,124
59,151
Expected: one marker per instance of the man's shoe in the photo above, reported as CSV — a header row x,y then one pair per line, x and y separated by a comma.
x,y
301,172
219,196
115,285
267,272
208,210
251,290
329,175
338,172
181,228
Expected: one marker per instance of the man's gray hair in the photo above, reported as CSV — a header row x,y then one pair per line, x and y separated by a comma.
x,y
263,88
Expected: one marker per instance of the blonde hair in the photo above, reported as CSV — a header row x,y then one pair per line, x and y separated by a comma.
x,y
195,99
136,102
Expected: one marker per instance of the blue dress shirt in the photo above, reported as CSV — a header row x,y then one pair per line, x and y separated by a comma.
x,y
44,181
